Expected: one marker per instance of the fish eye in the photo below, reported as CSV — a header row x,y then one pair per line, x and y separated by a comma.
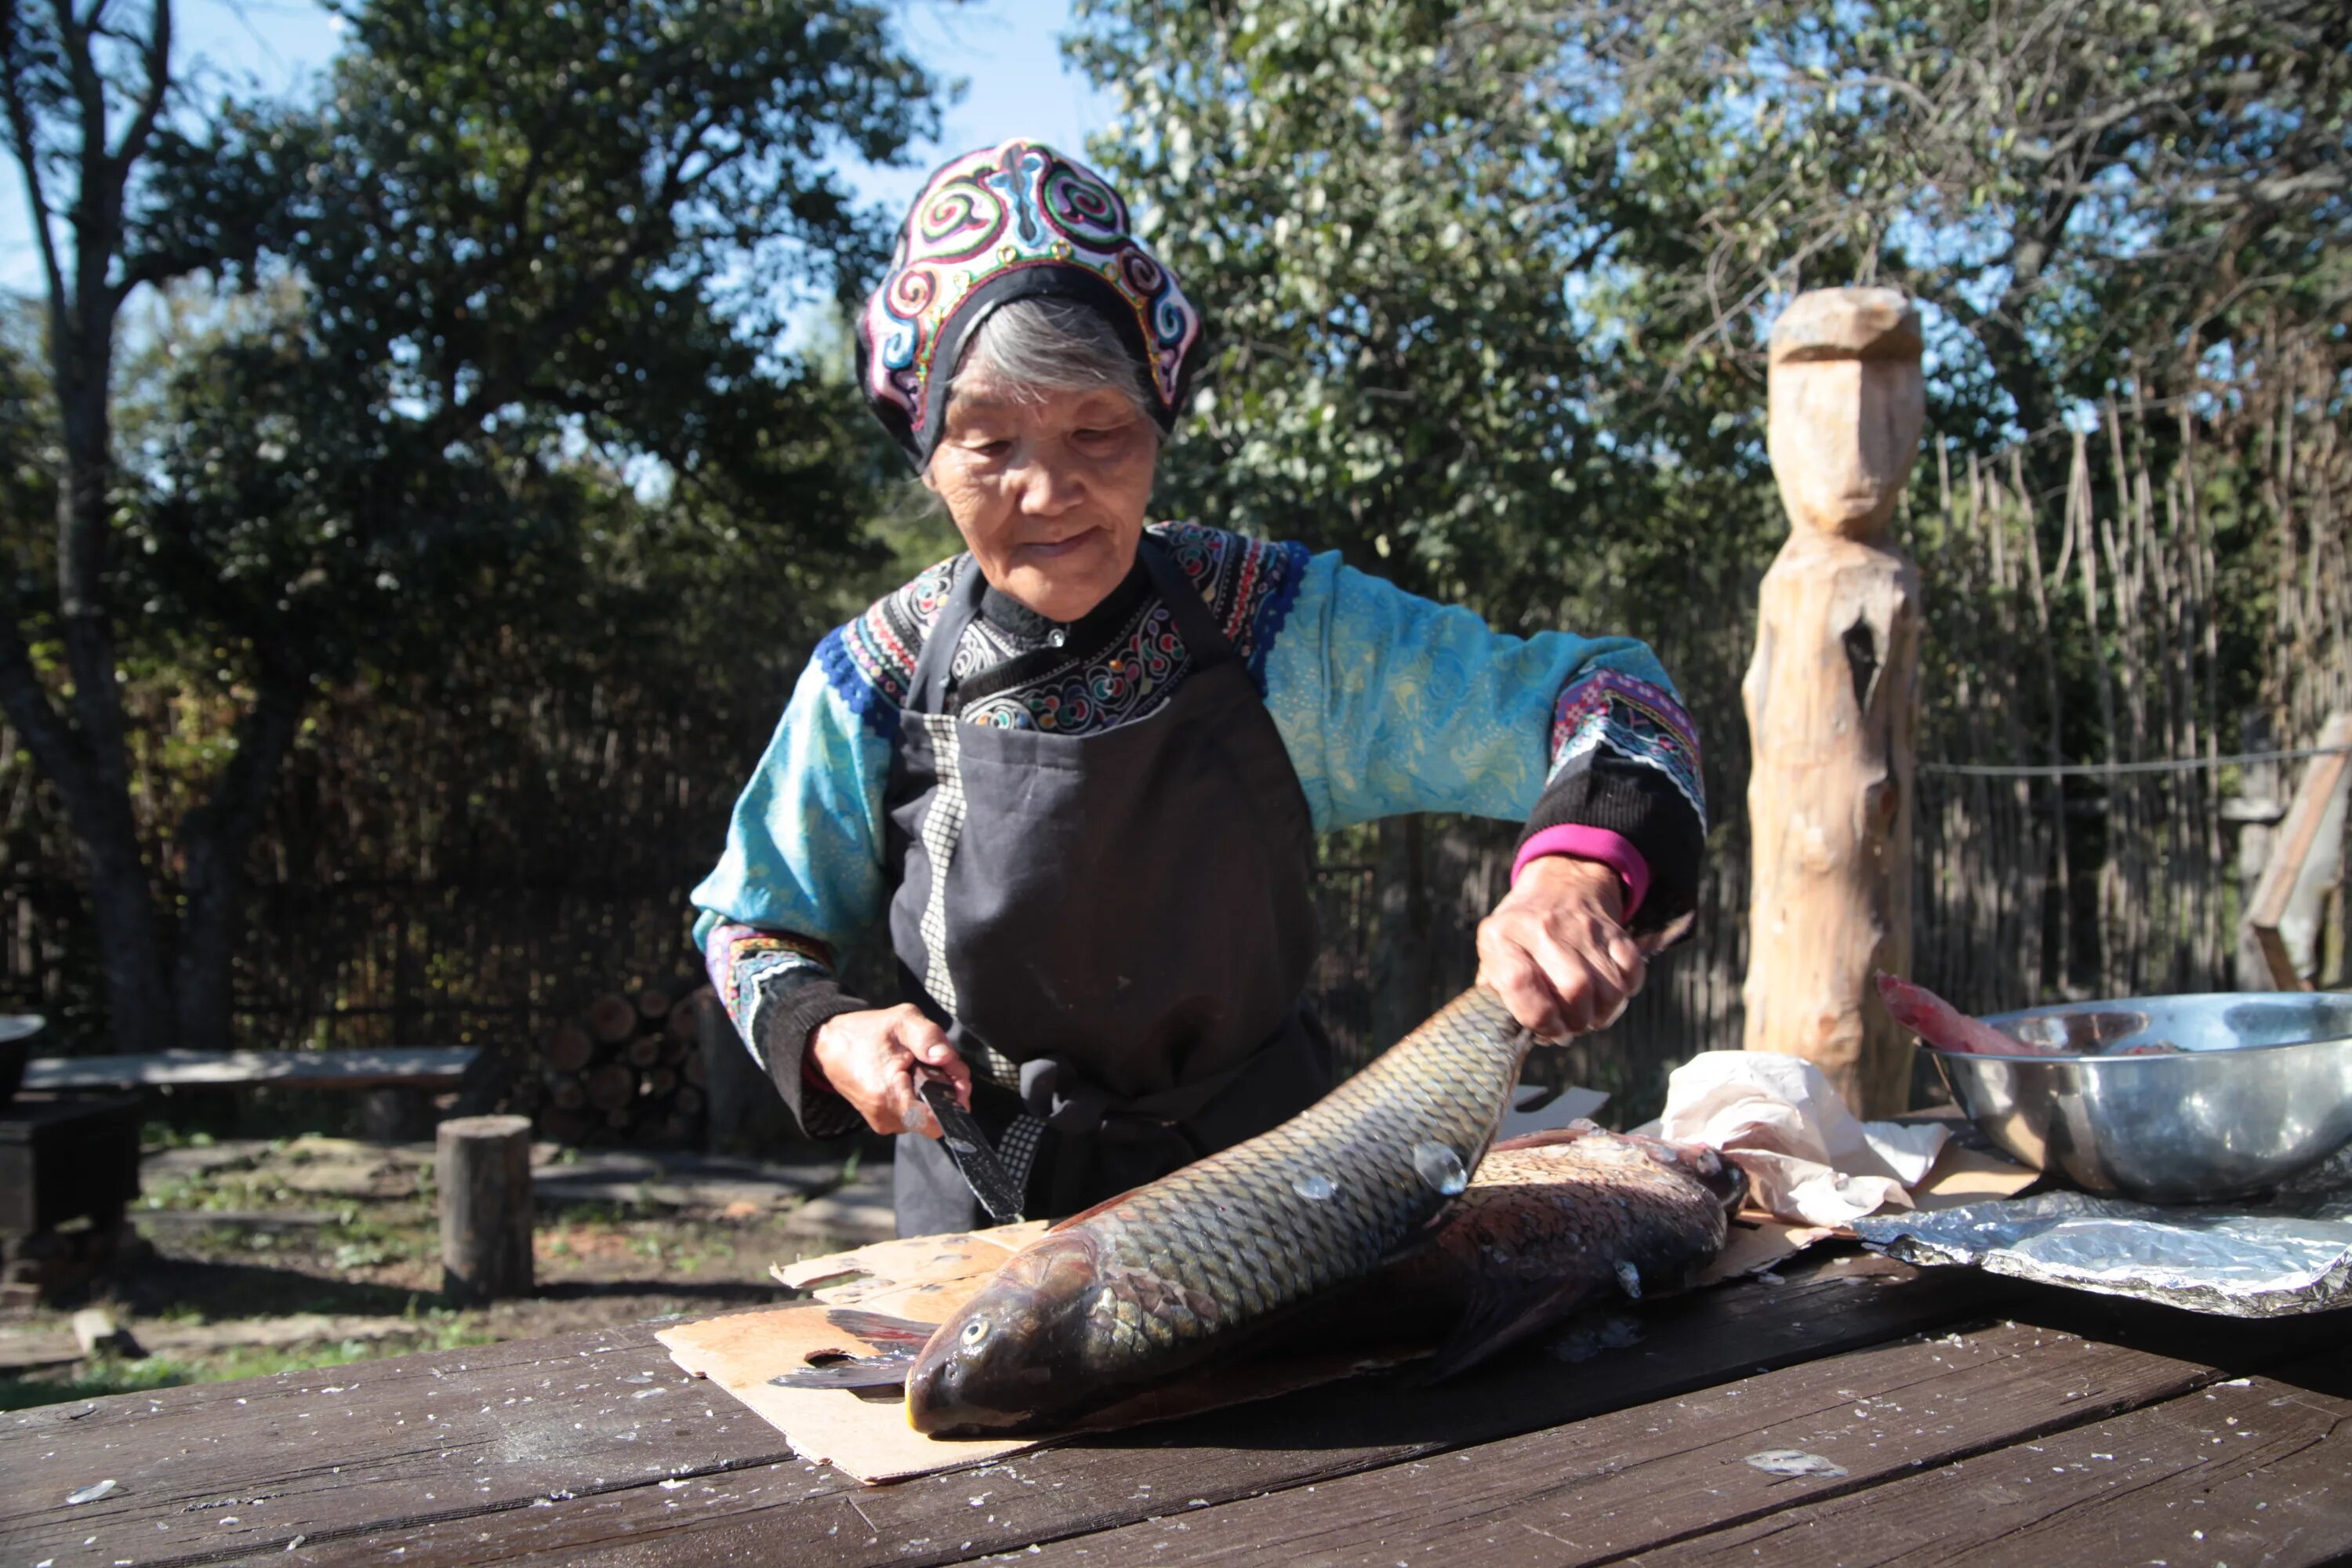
x,y
974,1331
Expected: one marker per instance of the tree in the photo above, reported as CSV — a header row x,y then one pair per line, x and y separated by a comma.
x,y
1424,282
2090,194
1485,287
1486,283
506,238
2091,191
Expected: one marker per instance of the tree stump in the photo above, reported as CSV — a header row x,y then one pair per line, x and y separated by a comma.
x,y
1832,697
482,1173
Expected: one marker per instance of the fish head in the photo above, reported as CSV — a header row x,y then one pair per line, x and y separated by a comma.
x,y
1706,1166
1010,1358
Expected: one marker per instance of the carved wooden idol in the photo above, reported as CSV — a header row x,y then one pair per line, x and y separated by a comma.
x,y
1831,696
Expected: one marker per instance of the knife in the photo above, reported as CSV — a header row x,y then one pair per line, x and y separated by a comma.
x,y
975,1160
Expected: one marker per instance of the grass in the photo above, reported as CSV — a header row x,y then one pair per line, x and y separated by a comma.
x,y
435,1331
295,1225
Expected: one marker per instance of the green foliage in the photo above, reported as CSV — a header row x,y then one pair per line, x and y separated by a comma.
x,y
1394,243
537,256
1486,286
2090,192
28,486
477,350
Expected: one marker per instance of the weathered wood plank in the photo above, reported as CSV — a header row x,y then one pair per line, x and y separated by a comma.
x,y
406,1067
779,1514
1599,1489
218,1469
2250,1470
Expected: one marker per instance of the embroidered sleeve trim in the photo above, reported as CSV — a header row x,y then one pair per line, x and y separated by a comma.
x,y
745,961
1249,584
870,662
1633,718
1285,575
876,709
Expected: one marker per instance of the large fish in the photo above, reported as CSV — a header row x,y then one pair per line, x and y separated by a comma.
x,y
1556,1223
1189,1267
1553,1223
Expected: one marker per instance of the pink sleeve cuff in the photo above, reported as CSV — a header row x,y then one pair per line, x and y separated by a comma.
x,y
1612,849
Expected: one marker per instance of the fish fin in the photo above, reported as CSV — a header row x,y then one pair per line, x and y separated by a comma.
x,y
1410,1246
1550,1137
1502,1312
880,1329
858,1372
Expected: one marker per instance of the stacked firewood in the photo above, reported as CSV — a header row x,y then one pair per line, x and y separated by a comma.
x,y
629,1072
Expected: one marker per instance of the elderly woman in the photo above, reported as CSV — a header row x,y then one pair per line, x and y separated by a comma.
x,y
1080,767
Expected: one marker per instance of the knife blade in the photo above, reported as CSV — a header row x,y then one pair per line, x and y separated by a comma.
x,y
975,1160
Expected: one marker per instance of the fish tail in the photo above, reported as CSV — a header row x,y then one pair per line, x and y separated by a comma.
x,y
854,1372
880,1329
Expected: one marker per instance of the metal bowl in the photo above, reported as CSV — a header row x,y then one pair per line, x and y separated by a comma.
x,y
2261,1088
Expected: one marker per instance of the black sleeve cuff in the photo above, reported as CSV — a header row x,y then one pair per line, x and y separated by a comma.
x,y
785,1025
1641,805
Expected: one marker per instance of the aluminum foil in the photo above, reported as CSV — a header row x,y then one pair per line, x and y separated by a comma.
x,y
2289,1254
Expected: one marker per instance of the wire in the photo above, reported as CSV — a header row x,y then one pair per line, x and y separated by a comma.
x,y
2105,770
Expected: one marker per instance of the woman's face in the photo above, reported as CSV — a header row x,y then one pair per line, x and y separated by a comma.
x,y
1047,488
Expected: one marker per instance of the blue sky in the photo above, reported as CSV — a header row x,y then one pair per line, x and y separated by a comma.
x,y
1005,49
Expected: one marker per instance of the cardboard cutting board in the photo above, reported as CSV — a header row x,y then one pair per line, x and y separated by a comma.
x,y
929,1279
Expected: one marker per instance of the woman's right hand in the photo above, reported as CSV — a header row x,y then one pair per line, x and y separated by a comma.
x,y
871,1059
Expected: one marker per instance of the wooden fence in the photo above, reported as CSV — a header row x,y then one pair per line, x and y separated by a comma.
x,y
2091,627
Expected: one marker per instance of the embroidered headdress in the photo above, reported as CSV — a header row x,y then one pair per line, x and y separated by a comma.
x,y
1002,224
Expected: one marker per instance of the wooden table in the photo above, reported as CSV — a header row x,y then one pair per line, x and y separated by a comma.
x,y
1953,1417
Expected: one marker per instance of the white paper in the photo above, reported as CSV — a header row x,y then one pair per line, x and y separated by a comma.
x,y
1808,1160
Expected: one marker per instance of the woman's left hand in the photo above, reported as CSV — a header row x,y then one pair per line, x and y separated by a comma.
x,y
1555,951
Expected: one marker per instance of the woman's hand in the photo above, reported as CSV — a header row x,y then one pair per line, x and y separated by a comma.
x,y
872,1059
1555,952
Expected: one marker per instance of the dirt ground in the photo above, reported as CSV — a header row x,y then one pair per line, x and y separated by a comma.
x,y
268,1256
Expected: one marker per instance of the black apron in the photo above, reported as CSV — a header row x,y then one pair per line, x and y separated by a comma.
x,y
1114,929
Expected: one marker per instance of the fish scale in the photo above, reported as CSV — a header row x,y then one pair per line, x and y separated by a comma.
x,y
1360,1139
1161,1277
1553,1225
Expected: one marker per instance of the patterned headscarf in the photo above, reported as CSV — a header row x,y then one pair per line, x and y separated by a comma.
x,y
1002,224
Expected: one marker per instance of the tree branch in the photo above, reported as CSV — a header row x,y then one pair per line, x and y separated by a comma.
x,y
157,57
29,710
90,86
25,144
230,815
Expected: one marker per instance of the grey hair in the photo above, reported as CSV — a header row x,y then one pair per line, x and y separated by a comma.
x,y
1042,344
